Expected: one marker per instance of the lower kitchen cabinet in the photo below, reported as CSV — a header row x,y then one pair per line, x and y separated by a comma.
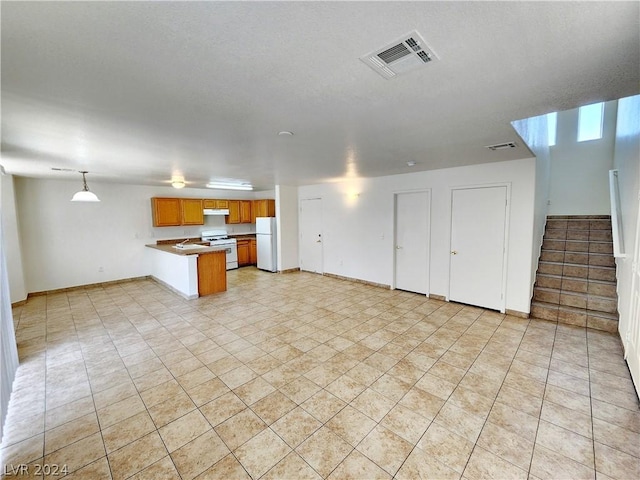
x,y
253,252
243,253
212,273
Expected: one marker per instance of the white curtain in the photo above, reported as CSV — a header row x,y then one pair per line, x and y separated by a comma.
x,y
8,348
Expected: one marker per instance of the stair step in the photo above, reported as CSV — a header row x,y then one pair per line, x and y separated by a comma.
x,y
574,316
576,272
604,248
577,300
570,258
603,236
576,277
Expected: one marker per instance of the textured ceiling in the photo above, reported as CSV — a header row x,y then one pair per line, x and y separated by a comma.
x,y
136,92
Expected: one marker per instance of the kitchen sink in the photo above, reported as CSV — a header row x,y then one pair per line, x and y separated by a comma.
x,y
190,246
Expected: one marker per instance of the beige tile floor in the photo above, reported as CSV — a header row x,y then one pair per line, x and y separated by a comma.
x,y
302,376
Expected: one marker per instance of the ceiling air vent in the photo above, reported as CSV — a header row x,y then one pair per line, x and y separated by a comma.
x,y
405,54
501,146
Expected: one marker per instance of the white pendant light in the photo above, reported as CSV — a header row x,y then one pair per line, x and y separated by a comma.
x,y
85,195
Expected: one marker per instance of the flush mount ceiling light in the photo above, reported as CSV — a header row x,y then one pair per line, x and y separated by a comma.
x,y
285,133
230,186
85,195
177,182
411,163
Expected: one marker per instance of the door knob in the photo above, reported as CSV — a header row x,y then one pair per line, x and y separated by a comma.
x,y
398,247
454,252
318,241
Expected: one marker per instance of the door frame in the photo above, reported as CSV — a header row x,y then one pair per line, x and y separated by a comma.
x,y
395,231
507,223
300,200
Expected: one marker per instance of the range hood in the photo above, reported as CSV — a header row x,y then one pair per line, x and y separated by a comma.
x,y
216,211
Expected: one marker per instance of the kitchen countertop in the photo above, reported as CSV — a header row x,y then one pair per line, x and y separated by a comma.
x,y
244,236
168,247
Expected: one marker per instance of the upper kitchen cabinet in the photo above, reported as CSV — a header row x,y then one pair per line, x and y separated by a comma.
x,y
234,212
213,203
166,212
239,211
245,211
173,212
263,208
192,211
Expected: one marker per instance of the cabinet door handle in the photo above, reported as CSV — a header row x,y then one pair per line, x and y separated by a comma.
x,y
454,252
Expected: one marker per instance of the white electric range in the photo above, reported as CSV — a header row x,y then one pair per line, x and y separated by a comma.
x,y
219,238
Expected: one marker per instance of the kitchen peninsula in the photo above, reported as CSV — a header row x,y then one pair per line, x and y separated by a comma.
x,y
192,271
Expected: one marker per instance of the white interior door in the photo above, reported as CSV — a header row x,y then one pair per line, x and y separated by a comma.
x,y
412,242
632,351
311,235
478,223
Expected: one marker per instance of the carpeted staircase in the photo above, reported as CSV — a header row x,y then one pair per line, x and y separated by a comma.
x,y
576,278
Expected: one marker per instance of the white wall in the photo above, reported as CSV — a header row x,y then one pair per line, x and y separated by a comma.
x,y
64,244
358,231
534,133
287,218
8,349
11,238
627,161
579,170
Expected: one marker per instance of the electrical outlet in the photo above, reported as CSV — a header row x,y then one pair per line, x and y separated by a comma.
x,y
101,269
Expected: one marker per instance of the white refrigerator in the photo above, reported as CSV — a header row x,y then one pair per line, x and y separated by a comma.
x,y
267,245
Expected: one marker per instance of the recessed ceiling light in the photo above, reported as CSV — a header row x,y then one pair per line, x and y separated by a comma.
x,y
411,163
285,133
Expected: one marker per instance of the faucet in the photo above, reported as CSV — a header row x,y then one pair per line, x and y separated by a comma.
x,y
184,242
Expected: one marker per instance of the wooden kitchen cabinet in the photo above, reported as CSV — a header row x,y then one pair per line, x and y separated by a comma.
x,y
263,208
245,211
253,252
192,213
173,212
212,273
244,258
234,212
239,211
215,203
166,212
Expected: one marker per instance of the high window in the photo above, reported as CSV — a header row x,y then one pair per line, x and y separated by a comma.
x,y
590,122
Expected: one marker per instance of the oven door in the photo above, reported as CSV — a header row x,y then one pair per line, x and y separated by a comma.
x,y
232,256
